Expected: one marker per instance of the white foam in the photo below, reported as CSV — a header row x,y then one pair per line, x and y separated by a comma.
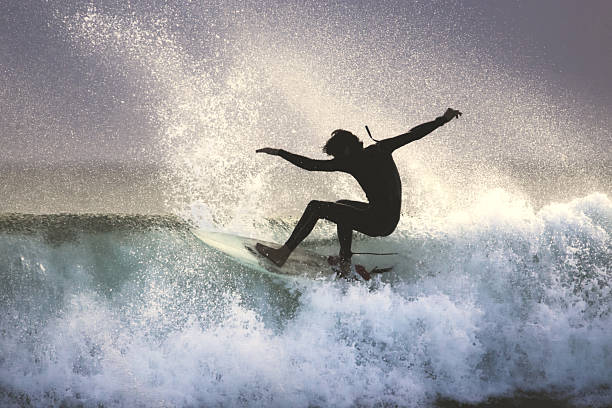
x,y
478,317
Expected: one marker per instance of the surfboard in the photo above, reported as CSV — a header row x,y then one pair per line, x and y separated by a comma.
x,y
301,264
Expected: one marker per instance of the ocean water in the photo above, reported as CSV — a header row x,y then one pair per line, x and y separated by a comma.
x,y
500,294
490,305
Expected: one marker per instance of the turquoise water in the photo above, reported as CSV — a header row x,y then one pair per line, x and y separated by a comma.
x,y
502,307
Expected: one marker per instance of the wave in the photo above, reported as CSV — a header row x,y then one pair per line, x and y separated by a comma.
x,y
492,305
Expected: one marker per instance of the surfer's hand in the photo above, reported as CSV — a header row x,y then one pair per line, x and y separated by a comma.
x,y
269,150
451,113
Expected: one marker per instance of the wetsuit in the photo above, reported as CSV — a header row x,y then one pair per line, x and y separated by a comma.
x,y
376,173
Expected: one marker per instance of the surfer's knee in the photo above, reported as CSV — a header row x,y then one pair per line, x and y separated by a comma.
x,y
324,209
388,230
376,229
315,205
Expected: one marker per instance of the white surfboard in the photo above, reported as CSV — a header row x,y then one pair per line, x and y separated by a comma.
x,y
301,264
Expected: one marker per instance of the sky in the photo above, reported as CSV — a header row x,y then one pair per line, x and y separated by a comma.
x,y
63,101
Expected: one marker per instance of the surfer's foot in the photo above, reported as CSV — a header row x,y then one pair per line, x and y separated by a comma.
x,y
341,265
277,256
344,268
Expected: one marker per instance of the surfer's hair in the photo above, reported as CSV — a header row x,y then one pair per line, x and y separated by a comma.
x,y
340,140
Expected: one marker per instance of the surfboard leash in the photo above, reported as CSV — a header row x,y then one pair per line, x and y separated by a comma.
x,y
374,253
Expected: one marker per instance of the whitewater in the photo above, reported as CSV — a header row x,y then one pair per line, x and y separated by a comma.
x,y
134,311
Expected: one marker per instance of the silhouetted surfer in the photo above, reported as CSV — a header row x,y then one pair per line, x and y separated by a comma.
x,y
376,173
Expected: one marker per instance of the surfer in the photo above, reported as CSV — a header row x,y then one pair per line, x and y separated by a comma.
x,y
375,171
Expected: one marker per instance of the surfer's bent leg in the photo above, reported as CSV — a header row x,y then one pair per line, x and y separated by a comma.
x,y
347,215
314,211
305,224
344,213
345,236
345,229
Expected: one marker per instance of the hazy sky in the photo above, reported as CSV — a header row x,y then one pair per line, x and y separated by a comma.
x,y
59,103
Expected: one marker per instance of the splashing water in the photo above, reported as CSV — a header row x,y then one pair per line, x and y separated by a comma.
x,y
501,291
480,305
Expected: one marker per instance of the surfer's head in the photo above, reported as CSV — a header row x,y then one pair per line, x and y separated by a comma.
x,y
342,143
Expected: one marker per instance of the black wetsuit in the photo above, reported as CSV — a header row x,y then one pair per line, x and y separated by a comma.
x,y
376,173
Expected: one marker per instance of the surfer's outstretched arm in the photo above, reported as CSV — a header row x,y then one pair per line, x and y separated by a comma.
x,y
418,132
303,162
